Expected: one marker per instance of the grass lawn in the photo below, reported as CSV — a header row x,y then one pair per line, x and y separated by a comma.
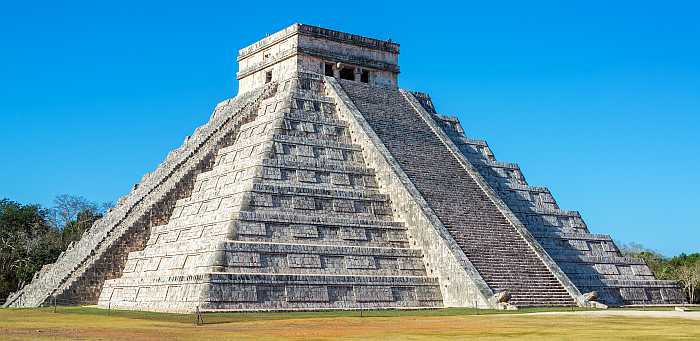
x,y
443,324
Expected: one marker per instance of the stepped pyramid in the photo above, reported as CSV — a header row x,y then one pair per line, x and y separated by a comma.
x,y
322,185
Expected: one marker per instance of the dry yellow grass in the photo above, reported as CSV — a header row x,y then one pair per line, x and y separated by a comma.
x,y
73,324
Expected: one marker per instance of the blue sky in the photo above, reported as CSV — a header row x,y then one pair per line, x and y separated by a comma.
x,y
598,100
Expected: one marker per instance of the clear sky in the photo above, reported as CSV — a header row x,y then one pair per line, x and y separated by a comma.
x,y
599,101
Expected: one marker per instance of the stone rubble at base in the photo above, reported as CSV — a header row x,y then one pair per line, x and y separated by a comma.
x,y
324,186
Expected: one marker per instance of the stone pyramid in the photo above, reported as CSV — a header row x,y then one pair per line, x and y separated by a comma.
x,y
324,186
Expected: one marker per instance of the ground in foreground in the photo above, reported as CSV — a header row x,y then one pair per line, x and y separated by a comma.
x,y
443,324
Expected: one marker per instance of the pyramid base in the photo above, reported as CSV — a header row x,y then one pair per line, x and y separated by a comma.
x,y
259,292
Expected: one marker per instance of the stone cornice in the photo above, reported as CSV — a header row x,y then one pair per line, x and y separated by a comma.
x,y
347,38
322,33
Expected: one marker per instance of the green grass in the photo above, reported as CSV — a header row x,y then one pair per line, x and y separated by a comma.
x,y
258,316
86,323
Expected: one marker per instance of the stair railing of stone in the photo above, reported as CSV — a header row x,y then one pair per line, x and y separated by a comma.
x,y
415,209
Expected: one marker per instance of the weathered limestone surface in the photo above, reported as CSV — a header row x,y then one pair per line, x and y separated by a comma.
x,y
310,49
78,274
460,283
324,186
503,257
288,218
592,261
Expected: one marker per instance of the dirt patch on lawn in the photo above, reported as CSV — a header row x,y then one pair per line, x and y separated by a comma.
x,y
692,315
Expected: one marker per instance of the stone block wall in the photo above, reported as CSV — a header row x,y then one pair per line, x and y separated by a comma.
x,y
307,49
289,217
78,273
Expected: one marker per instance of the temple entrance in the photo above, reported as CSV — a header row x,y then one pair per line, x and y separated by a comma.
x,y
347,73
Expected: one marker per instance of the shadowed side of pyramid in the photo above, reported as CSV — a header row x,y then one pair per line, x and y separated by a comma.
x,y
592,261
496,248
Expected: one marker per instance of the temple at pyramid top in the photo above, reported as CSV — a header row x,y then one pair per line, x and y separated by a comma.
x,y
312,49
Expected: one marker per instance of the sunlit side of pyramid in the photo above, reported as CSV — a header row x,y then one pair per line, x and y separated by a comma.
x,y
322,185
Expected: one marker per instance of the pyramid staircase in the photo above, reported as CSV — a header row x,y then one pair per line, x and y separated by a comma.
x,y
498,251
592,261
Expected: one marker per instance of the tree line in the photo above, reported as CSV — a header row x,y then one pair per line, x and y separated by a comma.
x,y
32,236
683,268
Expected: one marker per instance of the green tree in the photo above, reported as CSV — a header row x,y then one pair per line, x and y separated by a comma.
x,y
74,229
687,272
696,280
683,268
73,215
27,242
32,236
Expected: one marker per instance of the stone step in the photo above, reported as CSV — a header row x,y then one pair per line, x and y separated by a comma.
x,y
321,235
323,134
516,274
472,142
545,294
552,234
325,163
600,260
318,165
490,241
494,164
274,258
528,188
231,291
328,232
324,279
305,116
309,96
571,252
311,141
312,190
542,302
337,215
524,283
546,211
236,246
319,219
499,267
